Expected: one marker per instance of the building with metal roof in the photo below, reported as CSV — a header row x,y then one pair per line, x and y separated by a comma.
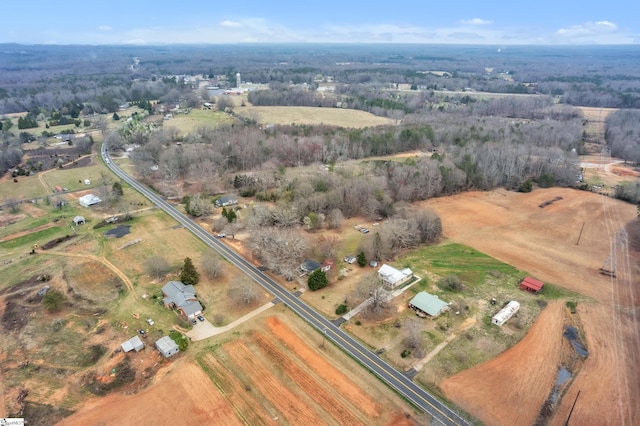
x,y
428,304
133,344
505,313
167,346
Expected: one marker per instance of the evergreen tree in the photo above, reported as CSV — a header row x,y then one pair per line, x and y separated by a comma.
x,y
362,259
231,215
116,190
317,280
189,275
116,117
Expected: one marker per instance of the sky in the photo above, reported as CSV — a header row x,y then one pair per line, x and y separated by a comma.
x,y
488,22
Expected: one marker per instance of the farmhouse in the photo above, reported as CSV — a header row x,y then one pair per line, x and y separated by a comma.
x,y
309,265
226,201
183,297
531,284
89,200
133,344
392,277
505,313
167,346
428,304
78,220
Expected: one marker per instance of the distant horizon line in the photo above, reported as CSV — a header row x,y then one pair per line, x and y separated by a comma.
x,y
320,43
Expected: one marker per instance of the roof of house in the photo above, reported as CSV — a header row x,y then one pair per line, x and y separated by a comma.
x,y
166,344
227,199
428,303
178,293
393,275
89,200
191,308
532,283
310,265
132,344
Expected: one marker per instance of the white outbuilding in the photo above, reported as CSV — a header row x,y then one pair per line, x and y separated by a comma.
x,y
89,200
505,313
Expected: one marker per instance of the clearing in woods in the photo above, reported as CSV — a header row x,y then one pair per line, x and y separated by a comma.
x,y
512,228
311,115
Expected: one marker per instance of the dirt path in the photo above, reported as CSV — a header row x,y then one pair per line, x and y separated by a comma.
x,y
104,261
45,185
3,404
28,232
424,361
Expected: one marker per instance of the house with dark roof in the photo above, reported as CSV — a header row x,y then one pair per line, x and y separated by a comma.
x,y
226,201
182,297
309,265
427,304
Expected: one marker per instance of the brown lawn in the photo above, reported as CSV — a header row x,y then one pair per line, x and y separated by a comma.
x,y
543,241
311,115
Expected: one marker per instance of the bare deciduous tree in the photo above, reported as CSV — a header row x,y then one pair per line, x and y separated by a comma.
x,y
329,245
413,340
211,264
280,249
156,266
243,291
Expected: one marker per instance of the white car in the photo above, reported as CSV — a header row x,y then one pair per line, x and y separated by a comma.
x,y
150,321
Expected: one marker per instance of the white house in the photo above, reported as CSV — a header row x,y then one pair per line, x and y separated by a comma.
x,y
89,200
392,277
505,313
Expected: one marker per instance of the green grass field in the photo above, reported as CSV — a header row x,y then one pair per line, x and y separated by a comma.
x,y
312,115
456,259
187,123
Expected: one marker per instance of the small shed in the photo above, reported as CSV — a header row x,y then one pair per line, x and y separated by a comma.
x,y
167,346
505,313
531,284
133,344
428,304
327,265
78,220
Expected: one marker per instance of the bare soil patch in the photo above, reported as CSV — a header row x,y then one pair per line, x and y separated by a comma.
x,y
509,376
510,227
199,402
267,375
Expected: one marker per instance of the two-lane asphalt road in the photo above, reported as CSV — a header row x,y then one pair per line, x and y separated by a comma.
x,y
398,381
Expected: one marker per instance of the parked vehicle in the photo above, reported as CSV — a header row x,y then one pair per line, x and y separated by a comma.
x,y
200,317
150,321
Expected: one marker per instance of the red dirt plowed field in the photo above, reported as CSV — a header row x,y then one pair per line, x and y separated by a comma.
x,y
543,241
517,393
184,396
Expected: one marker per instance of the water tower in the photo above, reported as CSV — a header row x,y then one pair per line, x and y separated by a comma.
x,y
238,80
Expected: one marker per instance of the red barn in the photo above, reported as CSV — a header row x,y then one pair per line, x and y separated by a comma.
x,y
531,284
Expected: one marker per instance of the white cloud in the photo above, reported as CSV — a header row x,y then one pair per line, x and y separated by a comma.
x,y
587,29
475,21
104,28
230,24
